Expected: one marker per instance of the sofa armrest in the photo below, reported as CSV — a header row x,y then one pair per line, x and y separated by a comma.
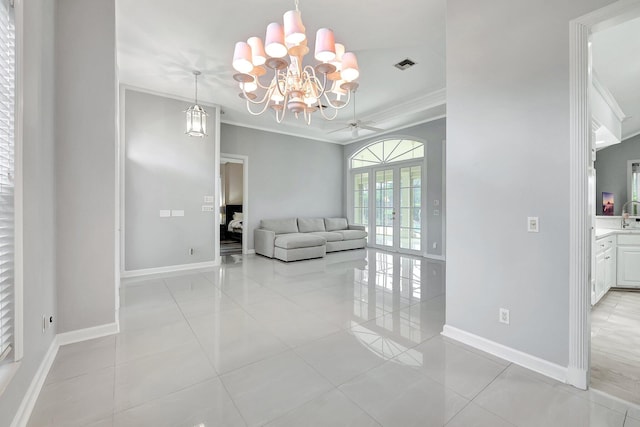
x,y
264,242
356,227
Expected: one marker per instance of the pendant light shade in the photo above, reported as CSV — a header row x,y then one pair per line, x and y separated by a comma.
x,y
196,116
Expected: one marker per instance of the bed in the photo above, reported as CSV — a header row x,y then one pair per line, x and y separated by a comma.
x,y
234,225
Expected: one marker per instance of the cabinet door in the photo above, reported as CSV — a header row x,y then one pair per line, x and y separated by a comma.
x,y
628,266
609,269
600,276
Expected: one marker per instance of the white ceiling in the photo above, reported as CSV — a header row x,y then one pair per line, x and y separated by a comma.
x,y
160,42
616,61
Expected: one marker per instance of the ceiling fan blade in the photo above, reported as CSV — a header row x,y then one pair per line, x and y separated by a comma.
x,y
371,128
342,129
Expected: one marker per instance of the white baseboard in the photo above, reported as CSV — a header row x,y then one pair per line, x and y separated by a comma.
x,y
168,269
31,396
525,360
250,252
578,378
88,333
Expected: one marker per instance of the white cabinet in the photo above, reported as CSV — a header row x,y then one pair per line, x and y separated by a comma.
x,y
628,268
605,274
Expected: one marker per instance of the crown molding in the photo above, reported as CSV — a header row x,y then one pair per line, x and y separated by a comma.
x,y
416,105
607,96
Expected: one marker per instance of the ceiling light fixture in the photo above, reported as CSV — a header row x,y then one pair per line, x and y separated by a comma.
x,y
196,116
301,89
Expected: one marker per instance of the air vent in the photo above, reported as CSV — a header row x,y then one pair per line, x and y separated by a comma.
x,y
404,64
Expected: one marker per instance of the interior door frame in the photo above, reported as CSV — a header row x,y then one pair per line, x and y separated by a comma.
x,y
580,244
239,158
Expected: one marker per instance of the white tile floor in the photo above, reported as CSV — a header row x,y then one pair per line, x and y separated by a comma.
x,y
352,339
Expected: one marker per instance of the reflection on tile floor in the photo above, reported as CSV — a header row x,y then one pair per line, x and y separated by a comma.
x,y
352,339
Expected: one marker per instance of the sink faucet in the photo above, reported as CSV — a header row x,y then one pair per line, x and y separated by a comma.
x,y
625,215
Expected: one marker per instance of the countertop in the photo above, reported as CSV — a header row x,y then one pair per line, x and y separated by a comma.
x,y
606,232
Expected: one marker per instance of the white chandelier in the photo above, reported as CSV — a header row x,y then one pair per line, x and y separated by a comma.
x,y
301,89
196,116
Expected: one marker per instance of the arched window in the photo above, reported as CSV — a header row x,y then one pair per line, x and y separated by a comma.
x,y
387,151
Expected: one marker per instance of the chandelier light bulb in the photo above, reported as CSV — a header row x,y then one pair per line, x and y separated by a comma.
x,y
350,70
274,41
294,31
249,86
259,57
242,58
325,45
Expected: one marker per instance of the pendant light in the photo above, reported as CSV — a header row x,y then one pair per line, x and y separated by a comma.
x,y
196,116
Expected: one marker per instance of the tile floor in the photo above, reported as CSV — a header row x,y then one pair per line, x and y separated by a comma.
x,y
349,340
615,345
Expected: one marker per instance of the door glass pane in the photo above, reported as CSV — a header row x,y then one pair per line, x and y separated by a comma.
x,y
361,199
410,207
384,207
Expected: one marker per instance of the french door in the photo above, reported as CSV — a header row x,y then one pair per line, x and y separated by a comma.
x,y
395,213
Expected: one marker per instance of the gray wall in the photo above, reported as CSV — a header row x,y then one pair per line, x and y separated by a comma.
x,y
611,172
288,176
507,159
39,198
85,162
433,134
166,170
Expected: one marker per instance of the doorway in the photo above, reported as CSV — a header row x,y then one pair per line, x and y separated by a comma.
x,y
584,225
233,204
394,171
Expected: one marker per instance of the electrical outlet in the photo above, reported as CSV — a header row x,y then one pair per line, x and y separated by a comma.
x,y
503,316
191,251
436,212
435,245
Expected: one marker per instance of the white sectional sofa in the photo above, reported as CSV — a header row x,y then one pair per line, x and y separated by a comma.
x,y
295,239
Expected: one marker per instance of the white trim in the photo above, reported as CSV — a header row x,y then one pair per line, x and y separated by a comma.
x,y
580,217
435,257
518,357
281,131
168,269
18,208
217,190
578,378
169,95
244,160
250,252
86,334
31,396
395,129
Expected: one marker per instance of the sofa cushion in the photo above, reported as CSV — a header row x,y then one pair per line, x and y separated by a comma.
x,y
330,236
308,225
352,234
333,224
298,240
280,226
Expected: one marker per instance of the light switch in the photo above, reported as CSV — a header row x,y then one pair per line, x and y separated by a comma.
x,y
436,212
207,208
436,202
532,224
208,199
177,213
165,213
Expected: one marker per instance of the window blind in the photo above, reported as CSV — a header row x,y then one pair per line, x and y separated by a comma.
x,y
7,114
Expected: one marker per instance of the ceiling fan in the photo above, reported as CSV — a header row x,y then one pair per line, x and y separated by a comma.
x,y
355,125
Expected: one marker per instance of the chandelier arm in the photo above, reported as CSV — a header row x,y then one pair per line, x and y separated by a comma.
x,y
252,101
314,79
335,112
338,107
279,117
